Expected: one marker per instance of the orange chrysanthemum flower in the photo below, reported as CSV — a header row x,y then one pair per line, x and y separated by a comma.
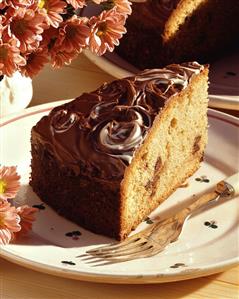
x,y
28,216
59,58
72,35
2,21
76,3
106,30
19,3
10,57
9,222
35,62
52,10
9,182
122,6
27,26
49,37
35,31
98,1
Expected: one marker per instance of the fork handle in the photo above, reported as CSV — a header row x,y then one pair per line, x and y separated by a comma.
x,y
233,181
226,188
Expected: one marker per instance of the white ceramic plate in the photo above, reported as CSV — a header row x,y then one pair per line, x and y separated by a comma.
x,y
208,244
224,77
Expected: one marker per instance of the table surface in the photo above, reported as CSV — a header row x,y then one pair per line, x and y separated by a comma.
x,y
17,282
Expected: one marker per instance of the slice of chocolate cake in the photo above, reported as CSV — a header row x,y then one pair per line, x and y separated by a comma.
x,y
110,157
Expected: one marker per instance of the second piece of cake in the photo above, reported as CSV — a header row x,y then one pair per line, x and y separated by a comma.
x,y
110,157
160,32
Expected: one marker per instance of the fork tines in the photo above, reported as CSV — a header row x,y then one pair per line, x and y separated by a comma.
x,y
127,250
113,248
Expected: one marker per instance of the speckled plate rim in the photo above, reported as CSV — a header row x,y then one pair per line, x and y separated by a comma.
x,y
117,278
114,65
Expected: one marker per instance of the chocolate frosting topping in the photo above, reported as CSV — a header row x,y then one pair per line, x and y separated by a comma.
x,y
98,133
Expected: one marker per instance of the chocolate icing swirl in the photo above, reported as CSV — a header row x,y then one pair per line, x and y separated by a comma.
x,y
62,121
120,135
98,133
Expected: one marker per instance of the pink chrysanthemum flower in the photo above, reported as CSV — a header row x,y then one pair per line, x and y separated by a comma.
x,y
9,222
76,3
98,1
28,216
9,182
10,57
19,3
49,37
106,30
122,6
52,10
72,35
57,29
35,62
27,27
2,5
2,21
59,58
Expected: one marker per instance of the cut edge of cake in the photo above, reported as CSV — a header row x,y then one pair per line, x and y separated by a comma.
x,y
183,113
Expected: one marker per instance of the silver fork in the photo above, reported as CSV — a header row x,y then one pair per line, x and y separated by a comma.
x,y
155,238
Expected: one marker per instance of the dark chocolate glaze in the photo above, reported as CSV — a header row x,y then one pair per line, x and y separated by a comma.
x,y
98,133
